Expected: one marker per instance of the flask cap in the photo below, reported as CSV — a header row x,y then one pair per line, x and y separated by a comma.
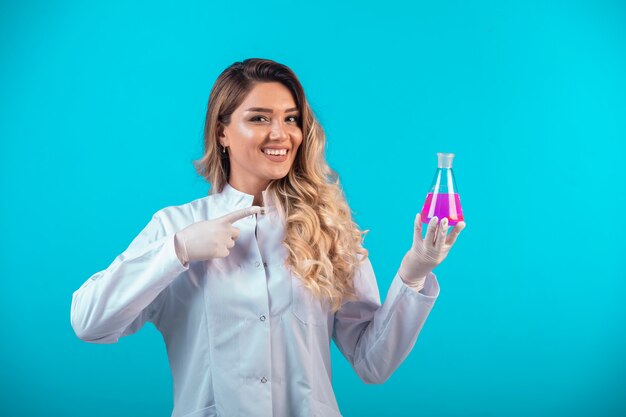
x,y
444,160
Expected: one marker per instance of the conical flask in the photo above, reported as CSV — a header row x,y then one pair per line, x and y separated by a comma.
x,y
443,199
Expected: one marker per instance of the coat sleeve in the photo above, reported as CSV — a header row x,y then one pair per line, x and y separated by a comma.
x,y
117,301
377,338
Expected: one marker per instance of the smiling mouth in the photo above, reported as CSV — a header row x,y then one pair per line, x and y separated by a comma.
x,y
275,152
276,156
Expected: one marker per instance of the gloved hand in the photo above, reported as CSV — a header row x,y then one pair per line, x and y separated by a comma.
x,y
209,239
427,253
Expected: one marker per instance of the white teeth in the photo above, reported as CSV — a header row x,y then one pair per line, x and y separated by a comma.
x,y
275,151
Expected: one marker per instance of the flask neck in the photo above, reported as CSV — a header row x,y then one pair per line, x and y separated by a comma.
x,y
444,182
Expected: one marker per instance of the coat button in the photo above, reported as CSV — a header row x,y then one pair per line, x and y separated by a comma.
x,y
257,264
262,318
263,380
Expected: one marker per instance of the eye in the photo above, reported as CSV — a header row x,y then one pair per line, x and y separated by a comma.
x,y
293,119
258,119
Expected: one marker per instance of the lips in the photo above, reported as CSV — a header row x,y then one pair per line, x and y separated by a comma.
x,y
275,149
276,158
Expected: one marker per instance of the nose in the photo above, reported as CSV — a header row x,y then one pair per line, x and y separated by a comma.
x,y
278,131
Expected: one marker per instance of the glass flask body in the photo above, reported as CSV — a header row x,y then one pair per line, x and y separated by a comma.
x,y
443,198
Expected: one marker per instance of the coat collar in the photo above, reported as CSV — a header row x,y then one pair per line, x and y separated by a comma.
x,y
232,197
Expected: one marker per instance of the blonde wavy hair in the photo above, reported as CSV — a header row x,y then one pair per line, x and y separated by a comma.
x,y
324,243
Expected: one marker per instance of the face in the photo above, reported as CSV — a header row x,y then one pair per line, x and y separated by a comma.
x,y
263,137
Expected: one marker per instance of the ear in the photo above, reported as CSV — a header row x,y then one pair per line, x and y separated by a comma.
x,y
221,134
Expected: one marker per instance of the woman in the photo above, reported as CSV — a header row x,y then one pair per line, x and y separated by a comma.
x,y
249,284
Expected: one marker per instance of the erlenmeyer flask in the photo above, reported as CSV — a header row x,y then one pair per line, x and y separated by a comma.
x,y
443,199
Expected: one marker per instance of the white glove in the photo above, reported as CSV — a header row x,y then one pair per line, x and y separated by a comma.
x,y
209,239
427,253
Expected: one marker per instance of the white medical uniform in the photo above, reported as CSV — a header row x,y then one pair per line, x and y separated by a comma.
x,y
244,337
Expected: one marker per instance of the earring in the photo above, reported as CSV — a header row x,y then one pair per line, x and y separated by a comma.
x,y
223,149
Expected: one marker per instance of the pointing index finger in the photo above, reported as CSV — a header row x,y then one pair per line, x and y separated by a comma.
x,y
242,213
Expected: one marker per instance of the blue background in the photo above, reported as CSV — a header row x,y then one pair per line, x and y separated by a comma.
x,y
101,113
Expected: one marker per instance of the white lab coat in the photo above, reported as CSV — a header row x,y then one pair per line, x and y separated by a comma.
x,y
243,336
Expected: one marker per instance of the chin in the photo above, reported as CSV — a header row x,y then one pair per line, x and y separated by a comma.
x,y
278,176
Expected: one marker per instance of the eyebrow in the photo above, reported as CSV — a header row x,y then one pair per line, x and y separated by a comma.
x,y
264,110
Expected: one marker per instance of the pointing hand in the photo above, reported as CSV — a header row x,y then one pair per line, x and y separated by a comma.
x,y
213,238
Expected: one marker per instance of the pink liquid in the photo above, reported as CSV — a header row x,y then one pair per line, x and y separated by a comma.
x,y
445,205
